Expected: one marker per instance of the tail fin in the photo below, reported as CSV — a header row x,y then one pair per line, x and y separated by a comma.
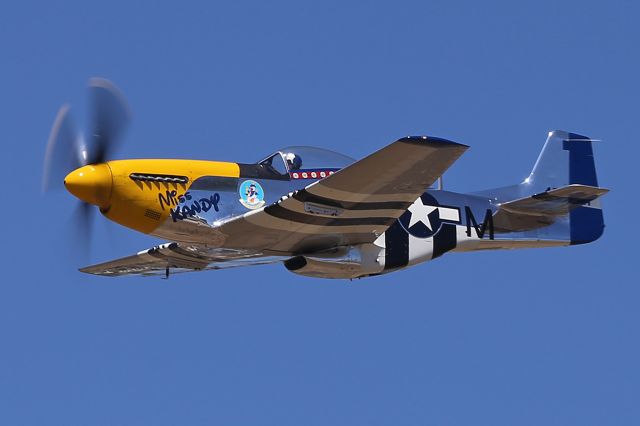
x,y
566,159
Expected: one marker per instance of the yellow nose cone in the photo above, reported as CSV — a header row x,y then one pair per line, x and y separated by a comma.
x,y
91,184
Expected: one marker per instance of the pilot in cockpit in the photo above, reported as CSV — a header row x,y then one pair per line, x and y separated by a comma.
x,y
294,162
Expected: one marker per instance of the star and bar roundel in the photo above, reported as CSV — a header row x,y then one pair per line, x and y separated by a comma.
x,y
424,218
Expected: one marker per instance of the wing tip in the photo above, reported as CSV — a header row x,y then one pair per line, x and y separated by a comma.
x,y
433,141
89,270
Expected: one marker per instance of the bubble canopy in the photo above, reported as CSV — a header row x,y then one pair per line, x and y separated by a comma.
x,y
294,158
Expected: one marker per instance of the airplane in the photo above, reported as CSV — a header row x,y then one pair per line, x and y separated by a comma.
x,y
319,213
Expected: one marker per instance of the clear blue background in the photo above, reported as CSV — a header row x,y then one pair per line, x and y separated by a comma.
x,y
516,337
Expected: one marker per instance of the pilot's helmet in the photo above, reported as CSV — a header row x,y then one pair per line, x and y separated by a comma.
x,y
293,161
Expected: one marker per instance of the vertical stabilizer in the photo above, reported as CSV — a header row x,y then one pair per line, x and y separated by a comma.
x,y
565,159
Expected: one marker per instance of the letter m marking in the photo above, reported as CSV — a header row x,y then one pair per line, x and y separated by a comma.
x,y
487,223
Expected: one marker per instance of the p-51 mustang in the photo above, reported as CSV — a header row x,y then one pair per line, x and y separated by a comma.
x,y
320,213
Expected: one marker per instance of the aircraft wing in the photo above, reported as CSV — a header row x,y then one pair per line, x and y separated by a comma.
x,y
543,209
354,205
178,258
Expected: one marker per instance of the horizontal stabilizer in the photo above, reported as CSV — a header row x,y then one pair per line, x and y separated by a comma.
x,y
544,208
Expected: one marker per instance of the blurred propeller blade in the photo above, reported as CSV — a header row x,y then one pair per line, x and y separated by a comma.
x,y
82,223
110,118
64,152
67,150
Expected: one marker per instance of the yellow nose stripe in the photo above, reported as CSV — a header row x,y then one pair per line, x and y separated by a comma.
x,y
135,200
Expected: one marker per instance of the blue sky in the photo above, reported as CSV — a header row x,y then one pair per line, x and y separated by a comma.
x,y
516,337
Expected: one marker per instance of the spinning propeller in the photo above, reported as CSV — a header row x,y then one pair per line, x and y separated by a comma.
x,y
79,160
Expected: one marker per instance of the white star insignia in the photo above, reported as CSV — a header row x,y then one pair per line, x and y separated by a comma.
x,y
420,213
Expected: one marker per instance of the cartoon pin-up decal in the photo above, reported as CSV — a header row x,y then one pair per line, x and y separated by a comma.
x,y
251,194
